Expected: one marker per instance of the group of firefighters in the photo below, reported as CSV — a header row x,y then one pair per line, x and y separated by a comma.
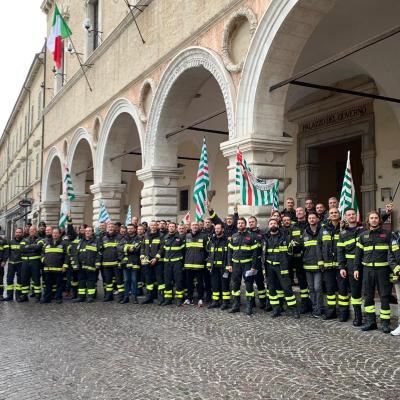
x,y
337,262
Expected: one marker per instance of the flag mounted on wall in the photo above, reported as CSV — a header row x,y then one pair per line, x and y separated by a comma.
x,y
59,31
255,191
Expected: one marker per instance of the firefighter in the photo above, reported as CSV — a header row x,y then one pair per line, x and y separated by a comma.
x,y
31,250
74,240
150,256
217,249
372,255
140,275
14,266
346,249
277,264
173,254
55,263
88,262
3,260
308,243
290,210
230,225
110,262
296,261
131,266
328,239
396,278
195,261
242,263
258,235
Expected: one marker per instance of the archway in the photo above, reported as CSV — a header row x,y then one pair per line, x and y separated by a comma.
x,y
52,188
117,160
194,100
80,162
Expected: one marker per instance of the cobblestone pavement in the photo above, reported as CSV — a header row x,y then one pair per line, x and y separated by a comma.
x,y
112,351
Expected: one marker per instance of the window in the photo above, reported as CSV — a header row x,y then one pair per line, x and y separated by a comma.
x,y
93,14
184,200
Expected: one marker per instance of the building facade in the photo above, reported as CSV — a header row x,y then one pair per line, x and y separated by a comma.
x,y
206,69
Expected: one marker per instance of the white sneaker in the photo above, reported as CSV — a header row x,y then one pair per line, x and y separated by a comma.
x,y
187,302
396,332
200,303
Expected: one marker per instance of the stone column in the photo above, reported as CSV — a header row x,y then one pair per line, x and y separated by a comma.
x,y
159,193
50,212
110,194
266,157
78,208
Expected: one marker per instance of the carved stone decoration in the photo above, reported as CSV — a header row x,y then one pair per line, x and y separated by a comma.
x,y
239,17
65,9
148,89
192,57
96,130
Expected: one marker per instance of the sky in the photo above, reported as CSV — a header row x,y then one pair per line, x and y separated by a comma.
x,y
22,33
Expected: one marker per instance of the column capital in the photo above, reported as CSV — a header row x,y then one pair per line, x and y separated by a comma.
x,y
267,144
159,172
108,188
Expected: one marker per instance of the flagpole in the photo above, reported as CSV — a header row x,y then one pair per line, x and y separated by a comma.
x,y
236,169
80,63
395,192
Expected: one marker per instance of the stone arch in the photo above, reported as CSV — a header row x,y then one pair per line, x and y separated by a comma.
x,y
188,59
277,49
79,135
119,107
53,172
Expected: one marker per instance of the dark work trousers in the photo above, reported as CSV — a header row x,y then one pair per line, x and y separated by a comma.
x,y
13,269
216,283
297,265
226,285
87,283
280,279
343,291
149,278
331,287
198,275
239,273
377,277
30,270
173,274
50,280
109,274
355,288
160,275
1,280
119,280
207,284
260,282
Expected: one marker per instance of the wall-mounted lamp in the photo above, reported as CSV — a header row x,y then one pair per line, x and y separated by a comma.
x,y
386,193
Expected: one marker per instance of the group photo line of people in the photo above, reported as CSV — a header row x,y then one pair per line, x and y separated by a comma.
x,y
335,262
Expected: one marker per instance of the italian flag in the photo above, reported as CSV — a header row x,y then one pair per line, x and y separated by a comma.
x,y
59,31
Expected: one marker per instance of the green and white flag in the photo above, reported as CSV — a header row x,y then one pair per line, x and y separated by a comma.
x,y
201,184
255,191
348,197
64,212
69,189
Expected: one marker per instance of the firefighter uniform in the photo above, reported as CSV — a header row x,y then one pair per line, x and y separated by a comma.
x,y
296,265
372,254
328,239
346,250
55,260
277,264
195,261
74,272
131,265
173,254
308,243
229,230
31,254
217,249
14,268
110,263
242,256
153,274
258,236
3,260
87,262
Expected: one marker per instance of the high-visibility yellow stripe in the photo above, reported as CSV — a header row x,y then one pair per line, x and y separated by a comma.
x,y
53,250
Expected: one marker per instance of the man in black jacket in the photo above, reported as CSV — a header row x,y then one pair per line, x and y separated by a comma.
x,y
230,224
14,266
3,260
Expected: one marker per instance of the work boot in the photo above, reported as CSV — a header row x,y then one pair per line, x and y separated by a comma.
x,y
225,304
79,300
214,304
148,299
268,307
276,311
370,324
124,300
108,297
330,313
249,306
179,303
45,301
386,326
135,300
344,314
294,312
23,298
59,301
74,292
305,306
166,302
357,316
90,300
160,297
262,303
282,304
235,306
8,298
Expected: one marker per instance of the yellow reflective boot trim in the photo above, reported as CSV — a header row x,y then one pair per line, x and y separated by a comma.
x,y
370,309
356,302
385,314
